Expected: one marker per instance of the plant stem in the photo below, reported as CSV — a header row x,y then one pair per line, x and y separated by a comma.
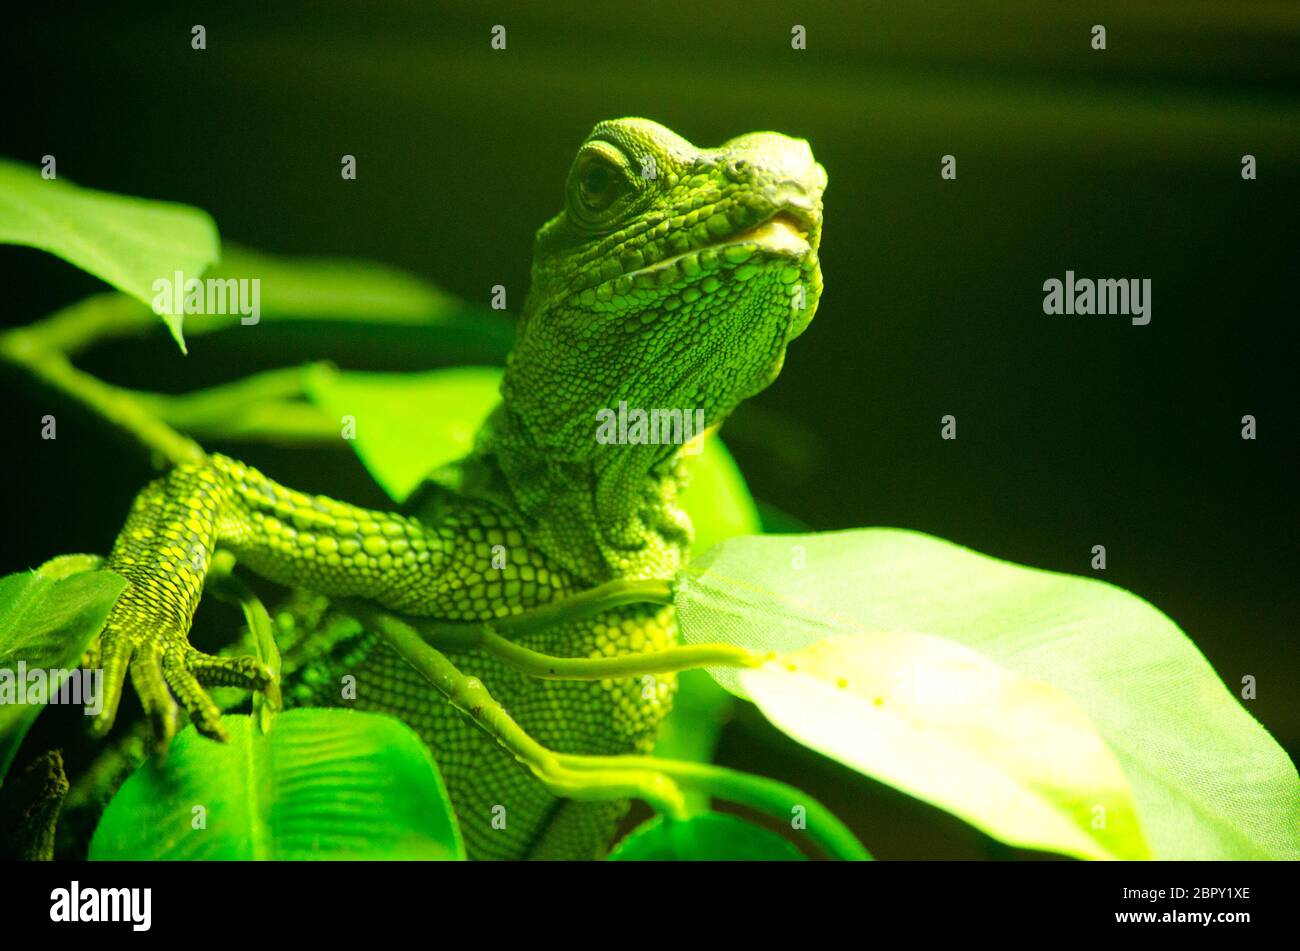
x,y
489,637
24,347
227,586
616,780
768,796
668,661
268,406
595,600
82,324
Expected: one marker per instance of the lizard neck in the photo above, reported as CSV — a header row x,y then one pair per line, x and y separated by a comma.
x,y
604,510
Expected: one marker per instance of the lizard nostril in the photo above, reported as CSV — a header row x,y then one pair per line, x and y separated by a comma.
x,y
737,169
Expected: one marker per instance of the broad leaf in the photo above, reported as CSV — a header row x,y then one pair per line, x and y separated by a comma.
x,y
48,617
709,837
1011,756
1206,779
777,522
347,290
407,425
322,784
128,242
717,497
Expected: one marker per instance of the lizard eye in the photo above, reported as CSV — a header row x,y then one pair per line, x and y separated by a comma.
x,y
597,183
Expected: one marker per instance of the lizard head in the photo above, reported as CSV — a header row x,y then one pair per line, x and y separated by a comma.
x,y
674,278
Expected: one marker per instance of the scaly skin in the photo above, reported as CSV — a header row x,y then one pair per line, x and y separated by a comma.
x,y
674,278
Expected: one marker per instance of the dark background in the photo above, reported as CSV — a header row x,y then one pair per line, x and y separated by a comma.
x,y
1072,431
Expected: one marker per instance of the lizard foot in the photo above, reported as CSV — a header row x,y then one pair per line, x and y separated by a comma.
x,y
168,674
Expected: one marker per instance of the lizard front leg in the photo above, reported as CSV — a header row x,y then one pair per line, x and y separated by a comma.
x,y
306,541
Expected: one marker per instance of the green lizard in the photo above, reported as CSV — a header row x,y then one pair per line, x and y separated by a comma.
x,y
673,278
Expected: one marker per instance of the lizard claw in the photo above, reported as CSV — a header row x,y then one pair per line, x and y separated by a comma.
x,y
113,656
151,686
169,676
188,671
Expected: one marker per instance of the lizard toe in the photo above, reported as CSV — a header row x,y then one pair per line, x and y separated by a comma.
x,y
247,671
150,683
202,710
114,656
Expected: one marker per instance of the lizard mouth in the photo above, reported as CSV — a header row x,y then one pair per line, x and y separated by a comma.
x,y
786,232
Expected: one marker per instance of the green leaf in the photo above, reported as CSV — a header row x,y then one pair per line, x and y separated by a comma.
x,y
47,619
717,497
1207,781
778,522
342,289
1011,756
711,836
128,242
323,784
408,424
65,566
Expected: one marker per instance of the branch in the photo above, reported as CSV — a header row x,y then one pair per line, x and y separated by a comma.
x,y
268,406
42,350
26,349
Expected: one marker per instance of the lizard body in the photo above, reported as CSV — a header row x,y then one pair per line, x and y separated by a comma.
x,y
674,277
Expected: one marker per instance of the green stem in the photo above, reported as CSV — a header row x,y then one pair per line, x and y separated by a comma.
x,y
488,636
26,348
86,322
673,659
223,582
595,600
654,780
767,796
467,694
106,316
268,406
279,423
